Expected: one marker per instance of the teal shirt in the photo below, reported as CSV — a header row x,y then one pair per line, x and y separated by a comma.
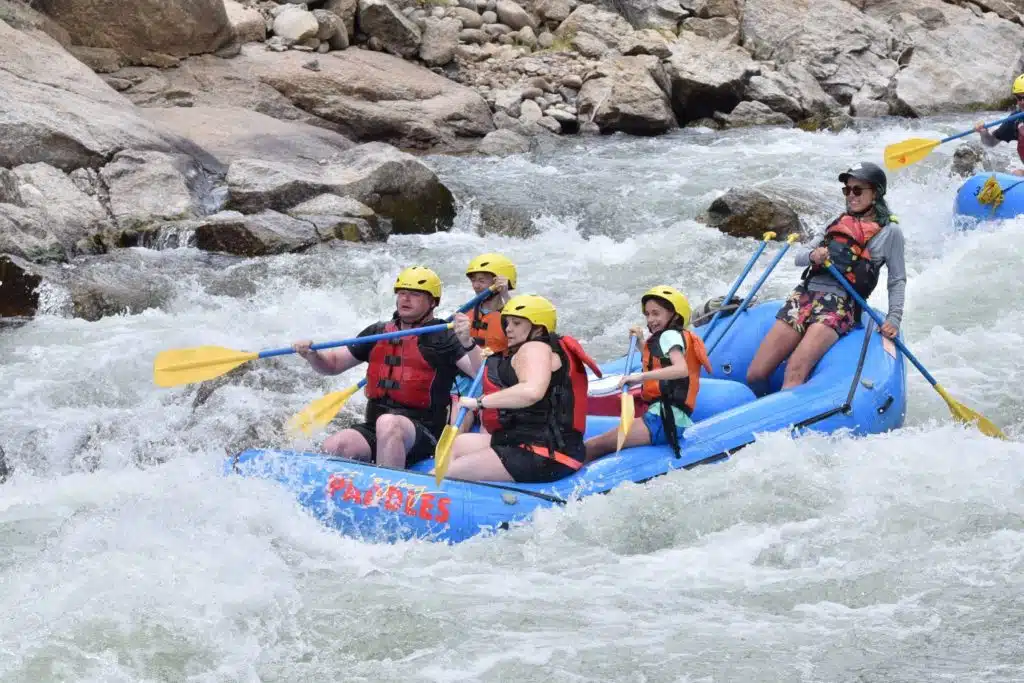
x,y
672,339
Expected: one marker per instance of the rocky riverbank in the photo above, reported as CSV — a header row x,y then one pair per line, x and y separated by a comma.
x,y
269,127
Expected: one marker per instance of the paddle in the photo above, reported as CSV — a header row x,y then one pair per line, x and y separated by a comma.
x,y
628,411
443,450
198,364
319,413
911,151
960,412
757,285
736,285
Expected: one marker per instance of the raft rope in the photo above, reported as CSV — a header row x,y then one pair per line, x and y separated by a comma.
x,y
991,193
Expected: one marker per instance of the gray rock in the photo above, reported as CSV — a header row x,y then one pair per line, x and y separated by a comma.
x,y
749,213
468,17
147,187
753,114
383,21
503,142
511,14
440,38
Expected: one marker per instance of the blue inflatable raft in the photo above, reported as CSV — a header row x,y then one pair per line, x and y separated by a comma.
x,y
969,206
860,386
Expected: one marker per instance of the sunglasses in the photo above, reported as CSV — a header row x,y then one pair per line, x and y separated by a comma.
x,y
1020,98
855,191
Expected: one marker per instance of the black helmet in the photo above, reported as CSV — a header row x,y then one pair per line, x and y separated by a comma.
x,y
869,173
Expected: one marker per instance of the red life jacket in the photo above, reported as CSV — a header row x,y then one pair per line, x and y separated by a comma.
x,y
552,427
681,393
487,331
847,239
1020,140
399,379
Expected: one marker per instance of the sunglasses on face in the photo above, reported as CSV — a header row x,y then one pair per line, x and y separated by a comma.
x,y
1020,98
855,191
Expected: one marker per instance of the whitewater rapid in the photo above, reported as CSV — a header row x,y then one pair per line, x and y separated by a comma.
x,y
125,556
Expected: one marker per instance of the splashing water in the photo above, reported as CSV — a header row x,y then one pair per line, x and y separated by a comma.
x,y
124,556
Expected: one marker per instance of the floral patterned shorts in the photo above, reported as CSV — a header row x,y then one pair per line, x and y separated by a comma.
x,y
803,308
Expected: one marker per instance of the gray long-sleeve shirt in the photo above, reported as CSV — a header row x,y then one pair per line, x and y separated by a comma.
x,y
886,248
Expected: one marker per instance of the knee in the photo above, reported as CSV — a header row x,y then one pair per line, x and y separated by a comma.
x,y
342,443
390,426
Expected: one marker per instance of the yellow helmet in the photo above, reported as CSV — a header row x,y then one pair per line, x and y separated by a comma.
x,y
679,303
1018,85
419,279
536,309
496,265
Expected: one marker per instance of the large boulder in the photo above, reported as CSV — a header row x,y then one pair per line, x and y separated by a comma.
x,y
230,133
56,206
663,15
791,90
142,28
706,77
208,81
247,23
392,183
384,21
750,213
843,48
267,232
150,187
593,31
628,94
90,288
56,110
964,64
375,96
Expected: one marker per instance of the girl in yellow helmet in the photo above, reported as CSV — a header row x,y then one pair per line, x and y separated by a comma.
x,y
486,271
672,359
1009,131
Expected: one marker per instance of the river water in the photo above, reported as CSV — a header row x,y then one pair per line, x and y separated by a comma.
x,y
124,556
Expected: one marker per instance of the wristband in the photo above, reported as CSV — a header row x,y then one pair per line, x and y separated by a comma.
x,y
472,345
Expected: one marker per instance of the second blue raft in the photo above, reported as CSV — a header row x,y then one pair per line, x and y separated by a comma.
x,y
969,200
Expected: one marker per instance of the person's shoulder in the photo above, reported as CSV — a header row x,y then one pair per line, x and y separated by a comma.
x,y
670,339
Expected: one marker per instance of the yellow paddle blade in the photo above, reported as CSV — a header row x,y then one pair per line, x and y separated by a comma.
x,y
187,366
963,414
320,412
443,452
628,412
908,152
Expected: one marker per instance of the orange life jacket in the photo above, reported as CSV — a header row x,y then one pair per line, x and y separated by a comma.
x,y
681,393
486,330
847,239
399,380
552,427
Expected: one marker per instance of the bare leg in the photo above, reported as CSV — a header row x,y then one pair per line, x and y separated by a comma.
x,y
481,465
817,341
603,444
395,436
776,346
348,443
465,444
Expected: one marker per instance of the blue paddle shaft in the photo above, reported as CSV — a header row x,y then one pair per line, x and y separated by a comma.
x,y
753,291
473,389
732,291
479,298
629,359
1012,117
878,320
360,340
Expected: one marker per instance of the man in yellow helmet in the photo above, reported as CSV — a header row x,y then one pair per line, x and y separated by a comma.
x,y
1010,131
407,379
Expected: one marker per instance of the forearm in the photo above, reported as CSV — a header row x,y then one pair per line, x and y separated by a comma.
x,y
332,362
667,373
897,297
521,395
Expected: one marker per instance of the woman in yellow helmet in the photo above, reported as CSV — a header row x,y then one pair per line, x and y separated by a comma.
x,y
671,361
533,405
1009,131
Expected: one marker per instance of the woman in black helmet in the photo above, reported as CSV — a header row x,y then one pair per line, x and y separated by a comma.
x,y
819,310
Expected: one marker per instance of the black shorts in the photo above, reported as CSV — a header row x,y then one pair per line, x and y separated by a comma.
x,y
526,467
422,448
